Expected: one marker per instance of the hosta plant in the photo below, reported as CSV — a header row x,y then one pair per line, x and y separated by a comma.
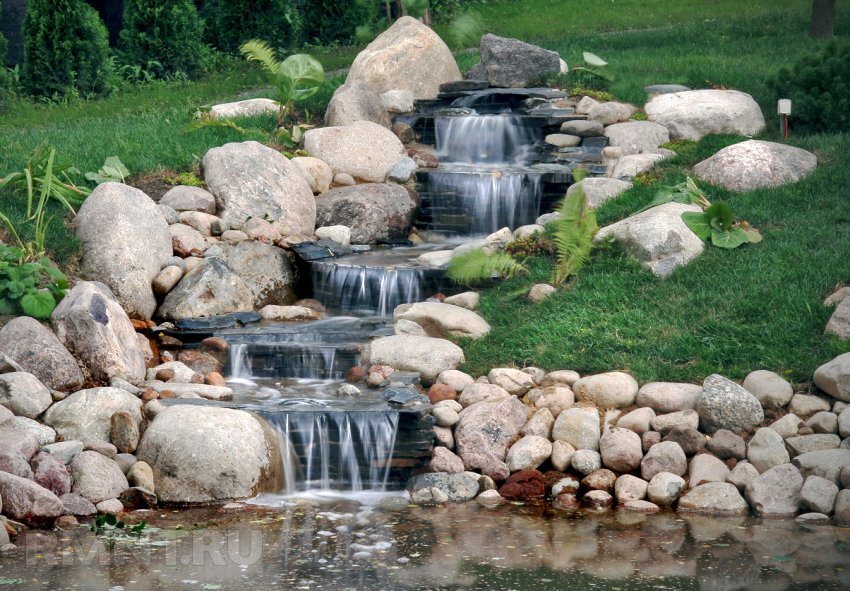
x,y
32,288
717,224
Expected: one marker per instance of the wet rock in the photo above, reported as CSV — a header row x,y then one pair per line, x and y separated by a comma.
x,y
725,444
96,477
683,419
621,450
210,289
586,461
444,460
756,164
37,350
842,508
705,468
96,330
766,449
23,394
110,507
666,456
714,498
769,388
630,488
695,113
562,455
426,355
355,101
86,415
578,426
203,454
597,499
511,63
818,495
484,433
364,150
668,397
458,488
443,320
250,180
489,498
833,377
130,255
524,485
600,479
726,405
637,137
186,198
639,506
77,505
807,443
638,420
51,473
657,237
528,453
374,211
776,492
407,56
24,500
288,313
124,431
742,475
690,440
582,128
607,390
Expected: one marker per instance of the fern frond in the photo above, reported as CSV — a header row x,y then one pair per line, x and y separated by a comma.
x,y
476,265
573,237
257,50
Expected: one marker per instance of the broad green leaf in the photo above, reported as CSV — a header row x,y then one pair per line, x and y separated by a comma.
x,y
720,214
698,223
592,59
39,305
8,307
303,75
730,239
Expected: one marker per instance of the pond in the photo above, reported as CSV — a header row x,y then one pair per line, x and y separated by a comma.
x,y
377,541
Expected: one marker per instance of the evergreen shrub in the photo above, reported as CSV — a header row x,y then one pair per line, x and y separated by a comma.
x,y
164,36
230,23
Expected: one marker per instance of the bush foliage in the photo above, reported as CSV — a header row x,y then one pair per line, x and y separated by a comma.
x,y
66,49
230,23
819,86
327,22
166,34
5,82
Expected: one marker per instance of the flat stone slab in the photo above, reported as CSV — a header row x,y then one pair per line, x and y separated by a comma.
x,y
756,164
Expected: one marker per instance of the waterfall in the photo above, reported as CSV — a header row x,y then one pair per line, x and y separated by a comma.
x,y
356,289
240,362
328,450
482,139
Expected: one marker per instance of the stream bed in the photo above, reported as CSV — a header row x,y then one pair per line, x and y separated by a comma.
x,y
379,542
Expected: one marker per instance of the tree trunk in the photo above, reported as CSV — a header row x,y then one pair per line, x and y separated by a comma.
x,y
823,18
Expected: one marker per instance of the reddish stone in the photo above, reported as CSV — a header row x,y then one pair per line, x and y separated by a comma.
x,y
51,473
439,392
602,479
312,304
565,501
165,375
66,522
524,485
198,378
550,477
149,394
139,324
216,379
202,363
167,342
355,374
167,394
210,344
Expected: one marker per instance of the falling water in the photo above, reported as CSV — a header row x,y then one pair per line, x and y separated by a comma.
x,y
355,289
482,139
327,450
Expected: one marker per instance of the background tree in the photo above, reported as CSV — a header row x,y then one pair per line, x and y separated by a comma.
x,y
65,49
823,18
230,23
163,36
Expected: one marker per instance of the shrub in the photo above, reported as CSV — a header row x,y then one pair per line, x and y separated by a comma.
x,y
819,86
66,49
333,21
164,34
5,81
229,23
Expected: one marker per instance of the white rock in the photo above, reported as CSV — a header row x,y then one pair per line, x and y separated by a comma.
x,y
685,419
628,167
756,164
562,455
23,394
443,320
637,137
664,488
454,379
833,377
669,397
787,426
316,172
578,426
607,390
426,355
246,108
766,449
598,190
706,468
398,101
365,150
638,420
528,453
692,114
769,388
540,291
514,381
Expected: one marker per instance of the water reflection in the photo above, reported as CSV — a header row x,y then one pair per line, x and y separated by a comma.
x,y
343,545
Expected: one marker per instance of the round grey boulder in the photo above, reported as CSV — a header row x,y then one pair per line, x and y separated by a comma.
x,y
97,478
756,164
37,350
23,394
86,415
726,405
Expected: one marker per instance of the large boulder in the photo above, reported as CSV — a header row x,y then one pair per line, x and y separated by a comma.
x,y
97,478
726,405
355,101
36,349
210,289
826,463
407,56
511,63
766,449
578,426
839,323
485,432
833,377
621,450
205,454
427,355
756,164
637,137
373,211
128,255
24,500
443,320
365,150
250,180
669,397
714,498
23,394
85,415
95,329
267,270
598,190
776,492
657,237
694,113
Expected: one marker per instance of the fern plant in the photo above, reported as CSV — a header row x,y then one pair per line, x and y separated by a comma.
x,y
478,265
296,78
573,237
